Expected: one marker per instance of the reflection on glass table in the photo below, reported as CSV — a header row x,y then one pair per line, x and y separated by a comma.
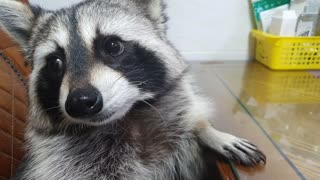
x,y
286,105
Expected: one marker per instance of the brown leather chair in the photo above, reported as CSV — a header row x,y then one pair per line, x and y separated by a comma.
x,y
13,106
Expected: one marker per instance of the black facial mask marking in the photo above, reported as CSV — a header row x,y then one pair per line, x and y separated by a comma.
x,y
139,65
48,85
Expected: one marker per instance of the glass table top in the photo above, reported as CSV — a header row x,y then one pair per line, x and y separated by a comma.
x,y
277,110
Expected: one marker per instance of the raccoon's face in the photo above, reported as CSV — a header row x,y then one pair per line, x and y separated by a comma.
x,y
93,62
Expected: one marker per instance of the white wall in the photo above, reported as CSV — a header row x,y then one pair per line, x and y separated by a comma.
x,y
210,29
202,29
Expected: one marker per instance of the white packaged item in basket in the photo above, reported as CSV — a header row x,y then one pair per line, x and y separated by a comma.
x,y
284,23
298,6
265,9
306,25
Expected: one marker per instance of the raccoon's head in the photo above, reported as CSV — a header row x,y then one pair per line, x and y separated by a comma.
x,y
92,62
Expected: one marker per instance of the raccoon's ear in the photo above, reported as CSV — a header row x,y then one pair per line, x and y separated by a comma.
x,y
156,11
16,19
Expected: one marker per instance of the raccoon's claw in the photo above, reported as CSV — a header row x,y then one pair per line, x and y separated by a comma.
x,y
245,153
233,148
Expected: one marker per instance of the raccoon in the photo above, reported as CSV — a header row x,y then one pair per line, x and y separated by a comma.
x,y
111,98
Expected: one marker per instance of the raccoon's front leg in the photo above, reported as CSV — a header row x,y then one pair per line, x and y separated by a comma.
x,y
233,148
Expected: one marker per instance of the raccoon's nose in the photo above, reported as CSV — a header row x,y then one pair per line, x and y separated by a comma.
x,y
83,103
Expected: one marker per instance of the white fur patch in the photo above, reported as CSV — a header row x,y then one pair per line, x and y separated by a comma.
x,y
155,9
118,94
60,35
64,91
87,30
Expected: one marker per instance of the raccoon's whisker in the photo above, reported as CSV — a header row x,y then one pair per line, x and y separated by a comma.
x,y
49,97
123,75
106,90
139,83
133,71
135,68
55,107
64,125
154,108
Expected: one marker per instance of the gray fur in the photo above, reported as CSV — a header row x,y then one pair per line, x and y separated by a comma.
x,y
154,134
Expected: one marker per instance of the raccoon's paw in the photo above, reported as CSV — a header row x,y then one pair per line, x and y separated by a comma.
x,y
243,152
233,148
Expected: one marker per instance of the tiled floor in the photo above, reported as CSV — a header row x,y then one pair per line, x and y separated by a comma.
x,y
277,110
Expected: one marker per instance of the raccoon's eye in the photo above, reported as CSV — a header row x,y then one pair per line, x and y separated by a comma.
x,y
54,65
114,47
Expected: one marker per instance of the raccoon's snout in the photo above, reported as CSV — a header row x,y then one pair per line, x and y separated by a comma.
x,y
84,102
